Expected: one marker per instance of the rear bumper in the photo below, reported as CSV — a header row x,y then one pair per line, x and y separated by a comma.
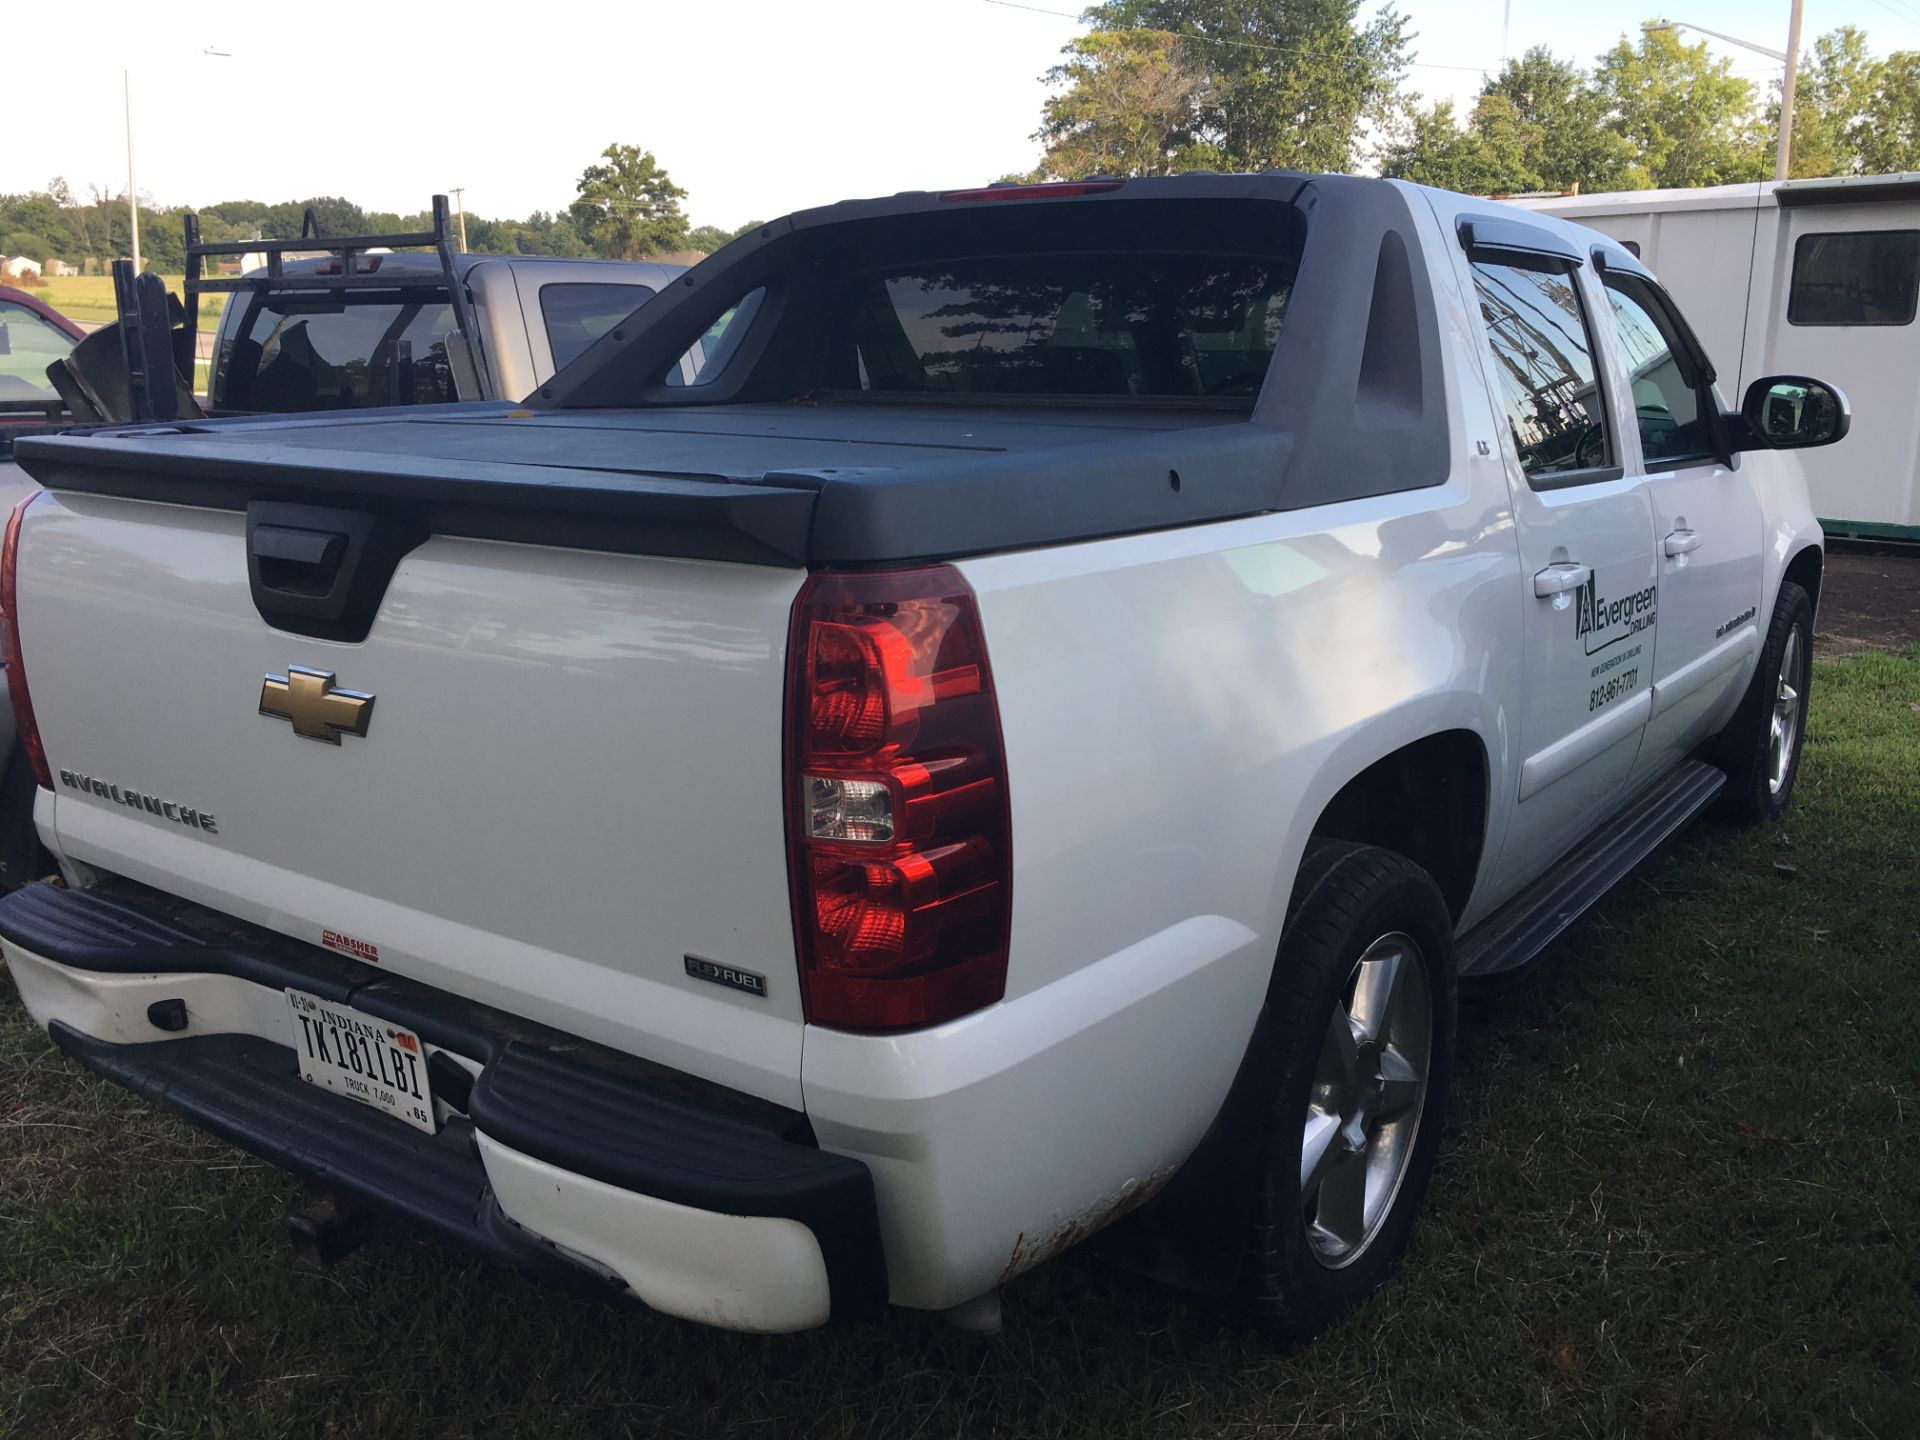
x,y
580,1166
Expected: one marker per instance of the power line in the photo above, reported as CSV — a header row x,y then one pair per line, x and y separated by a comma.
x,y
1237,44
1886,5
1897,13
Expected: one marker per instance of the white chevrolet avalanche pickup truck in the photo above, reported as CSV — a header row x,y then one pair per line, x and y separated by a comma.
x,y
1035,737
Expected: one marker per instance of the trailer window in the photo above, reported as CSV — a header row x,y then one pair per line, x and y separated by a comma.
x,y
576,315
1855,277
1543,367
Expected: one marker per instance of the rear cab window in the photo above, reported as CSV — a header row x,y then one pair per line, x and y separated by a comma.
x,y
1160,305
1114,326
1543,367
296,352
1858,277
578,313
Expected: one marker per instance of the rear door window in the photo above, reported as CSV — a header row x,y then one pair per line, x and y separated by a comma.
x,y
1544,370
577,314
292,353
1859,277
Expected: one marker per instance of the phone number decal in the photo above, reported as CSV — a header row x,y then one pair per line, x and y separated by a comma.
x,y
1614,688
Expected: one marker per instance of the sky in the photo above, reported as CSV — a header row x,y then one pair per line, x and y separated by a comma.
x,y
754,107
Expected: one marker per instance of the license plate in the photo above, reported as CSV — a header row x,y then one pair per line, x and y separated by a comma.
x,y
362,1057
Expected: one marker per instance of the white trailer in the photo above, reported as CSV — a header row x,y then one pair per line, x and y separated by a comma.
x,y
1811,277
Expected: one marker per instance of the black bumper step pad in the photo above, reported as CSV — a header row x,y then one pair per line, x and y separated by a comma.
x,y
248,1091
584,1108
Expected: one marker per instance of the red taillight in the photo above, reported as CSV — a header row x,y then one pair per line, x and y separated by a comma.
x,y
1052,190
897,802
23,721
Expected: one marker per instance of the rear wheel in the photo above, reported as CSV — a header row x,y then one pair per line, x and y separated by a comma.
x,y
1362,1036
1760,748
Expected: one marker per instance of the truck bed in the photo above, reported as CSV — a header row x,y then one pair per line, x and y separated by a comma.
x,y
783,484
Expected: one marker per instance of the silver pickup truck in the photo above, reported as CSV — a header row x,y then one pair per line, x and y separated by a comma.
x,y
282,349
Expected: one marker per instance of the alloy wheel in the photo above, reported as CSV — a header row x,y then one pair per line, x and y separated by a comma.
x,y
1369,1091
1789,708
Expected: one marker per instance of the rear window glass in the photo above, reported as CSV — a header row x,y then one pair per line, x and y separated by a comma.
x,y
1862,277
335,353
576,315
710,353
1108,325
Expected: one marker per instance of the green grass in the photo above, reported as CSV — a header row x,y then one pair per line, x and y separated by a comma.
x,y
89,298
1679,1196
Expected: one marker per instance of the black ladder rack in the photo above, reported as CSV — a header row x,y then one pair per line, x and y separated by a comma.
x,y
470,376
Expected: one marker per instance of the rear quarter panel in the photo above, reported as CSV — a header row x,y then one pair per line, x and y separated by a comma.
x,y
1180,709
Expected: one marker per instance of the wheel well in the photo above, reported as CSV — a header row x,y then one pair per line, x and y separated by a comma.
x,y
1427,800
1804,570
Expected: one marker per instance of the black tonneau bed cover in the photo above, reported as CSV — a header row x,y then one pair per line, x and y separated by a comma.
x,y
779,484
779,459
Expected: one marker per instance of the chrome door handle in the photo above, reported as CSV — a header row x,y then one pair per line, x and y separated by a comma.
x,y
1683,542
1559,578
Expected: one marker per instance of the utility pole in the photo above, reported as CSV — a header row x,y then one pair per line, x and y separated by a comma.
x,y
133,198
133,203
1782,159
1782,162
460,209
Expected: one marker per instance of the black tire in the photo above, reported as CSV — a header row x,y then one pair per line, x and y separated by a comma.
x,y
1347,898
1745,748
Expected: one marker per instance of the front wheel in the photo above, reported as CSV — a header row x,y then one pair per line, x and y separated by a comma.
x,y
1760,748
1362,1048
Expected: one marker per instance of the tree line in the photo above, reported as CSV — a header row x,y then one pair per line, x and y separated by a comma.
x,y
1160,86
1157,87
626,207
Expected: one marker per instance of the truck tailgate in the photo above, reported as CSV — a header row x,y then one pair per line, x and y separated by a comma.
x,y
569,785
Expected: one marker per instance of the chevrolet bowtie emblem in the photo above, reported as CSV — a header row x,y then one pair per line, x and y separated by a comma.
x,y
317,710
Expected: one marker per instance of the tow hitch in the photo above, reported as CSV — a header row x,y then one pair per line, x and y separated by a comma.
x,y
328,1230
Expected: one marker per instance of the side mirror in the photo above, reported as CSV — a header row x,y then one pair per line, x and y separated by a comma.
x,y
6,339
1793,412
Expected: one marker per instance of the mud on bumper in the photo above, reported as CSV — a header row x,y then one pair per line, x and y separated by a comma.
x,y
582,1166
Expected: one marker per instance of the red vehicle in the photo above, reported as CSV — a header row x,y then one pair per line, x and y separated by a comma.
x,y
32,336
